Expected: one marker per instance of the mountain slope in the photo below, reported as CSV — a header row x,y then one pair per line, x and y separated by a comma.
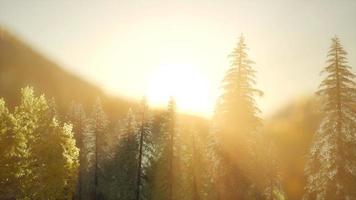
x,y
20,66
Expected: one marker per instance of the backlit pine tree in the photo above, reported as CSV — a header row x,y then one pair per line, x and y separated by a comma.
x,y
77,117
270,172
97,145
145,151
196,179
236,123
125,161
166,177
331,165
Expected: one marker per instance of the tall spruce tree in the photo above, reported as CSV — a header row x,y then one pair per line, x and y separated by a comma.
x,y
13,152
40,151
236,123
126,158
165,180
54,154
196,181
269,173
330,169
97,131
77,117
145,150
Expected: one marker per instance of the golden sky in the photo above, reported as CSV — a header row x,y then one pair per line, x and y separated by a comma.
x,y
161,48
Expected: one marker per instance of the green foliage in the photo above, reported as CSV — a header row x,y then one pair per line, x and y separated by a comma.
x,y
13,150
40,158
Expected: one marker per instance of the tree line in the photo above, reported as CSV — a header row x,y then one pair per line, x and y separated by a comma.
x,y
148,155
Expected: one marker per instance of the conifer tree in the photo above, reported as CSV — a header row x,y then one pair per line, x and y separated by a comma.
x,y
40,151
13,151
126,159
236,123
270,173
330,169
145,150
97,133
55,155
77,117
195,166
30,116
165,186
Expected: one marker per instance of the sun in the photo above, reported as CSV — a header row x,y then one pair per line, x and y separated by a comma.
x,y
185,83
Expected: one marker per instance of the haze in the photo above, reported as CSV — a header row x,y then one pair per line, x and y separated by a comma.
x,y
130,48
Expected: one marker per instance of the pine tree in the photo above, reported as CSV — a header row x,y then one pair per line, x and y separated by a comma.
x,y
12,154
330,170
236,125
145,151
165,183
270,173
53,156
88,152
30,116
126,159
77,117
195,172
97,133
40,151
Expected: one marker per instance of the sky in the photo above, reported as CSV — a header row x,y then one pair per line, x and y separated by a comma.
x,y
163,48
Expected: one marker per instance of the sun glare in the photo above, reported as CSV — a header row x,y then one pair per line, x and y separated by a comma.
x,y
183,82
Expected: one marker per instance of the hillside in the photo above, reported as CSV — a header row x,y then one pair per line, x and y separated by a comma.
x,y
20,65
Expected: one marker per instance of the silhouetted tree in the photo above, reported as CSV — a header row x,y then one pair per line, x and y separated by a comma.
x,y
196,178
165,183
145,151
126,159
77,117
330,170
97,140
236,125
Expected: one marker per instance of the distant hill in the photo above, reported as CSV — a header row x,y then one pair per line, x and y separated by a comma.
x,y
20,65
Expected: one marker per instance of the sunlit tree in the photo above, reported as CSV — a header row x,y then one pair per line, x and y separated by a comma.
x,y
330,170
40,151
30,120
13,152
57,161
236,124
